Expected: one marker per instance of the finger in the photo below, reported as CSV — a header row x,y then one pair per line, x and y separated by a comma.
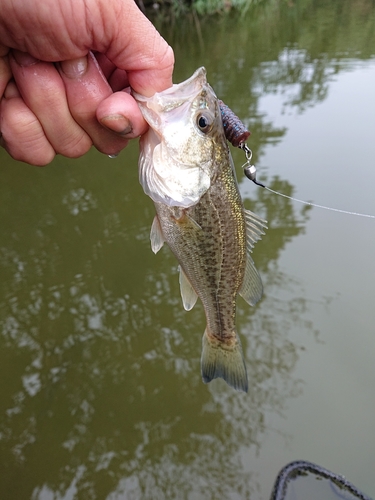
x,y
86,88
22,134
107,67
137,47
3,50
5,72
117,78
120,113
43,91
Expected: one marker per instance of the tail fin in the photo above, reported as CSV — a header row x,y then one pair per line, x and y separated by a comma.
x,y
226,362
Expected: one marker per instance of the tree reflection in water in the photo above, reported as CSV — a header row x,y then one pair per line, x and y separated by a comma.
x,y
102,388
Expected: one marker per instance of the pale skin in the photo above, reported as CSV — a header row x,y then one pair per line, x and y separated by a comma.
x,y
66,67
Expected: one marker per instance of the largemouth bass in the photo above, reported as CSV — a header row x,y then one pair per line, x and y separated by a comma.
x,y
185,166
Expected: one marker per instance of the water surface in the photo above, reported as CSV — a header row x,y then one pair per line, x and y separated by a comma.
x,y
101,395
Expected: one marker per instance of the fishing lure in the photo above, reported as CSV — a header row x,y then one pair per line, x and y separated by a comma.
x,y
237,134
235,131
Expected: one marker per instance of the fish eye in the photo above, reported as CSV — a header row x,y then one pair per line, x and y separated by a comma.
x,y
204,122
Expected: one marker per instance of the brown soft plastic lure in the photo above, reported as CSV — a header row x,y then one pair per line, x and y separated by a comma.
x,y
235,131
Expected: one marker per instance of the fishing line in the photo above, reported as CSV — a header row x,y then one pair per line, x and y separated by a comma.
x,y
250,172
318,206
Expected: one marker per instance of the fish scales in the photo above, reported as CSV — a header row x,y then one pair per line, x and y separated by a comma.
x,y
187,169
219,251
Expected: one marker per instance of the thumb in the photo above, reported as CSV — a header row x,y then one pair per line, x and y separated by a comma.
x,y
138,48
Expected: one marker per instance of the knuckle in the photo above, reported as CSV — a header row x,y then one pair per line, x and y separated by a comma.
x,y
39,157
39,154
167,59
74,145
23,137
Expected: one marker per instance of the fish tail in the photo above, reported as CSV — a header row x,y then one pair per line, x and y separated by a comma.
x,y
225,361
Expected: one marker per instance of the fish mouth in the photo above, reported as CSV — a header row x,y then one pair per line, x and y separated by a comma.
x,y
174,97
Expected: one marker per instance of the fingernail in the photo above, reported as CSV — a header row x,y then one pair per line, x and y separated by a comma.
x,y
118,124
74,68
23,58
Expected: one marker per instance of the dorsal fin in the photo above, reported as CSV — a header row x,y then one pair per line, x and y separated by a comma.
x,y
254,229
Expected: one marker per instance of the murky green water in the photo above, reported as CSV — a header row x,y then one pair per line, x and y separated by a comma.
x,y
100,394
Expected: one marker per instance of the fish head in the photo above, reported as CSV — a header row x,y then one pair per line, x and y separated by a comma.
x,y
177,153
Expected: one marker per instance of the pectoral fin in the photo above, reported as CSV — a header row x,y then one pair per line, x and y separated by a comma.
x,y
189,297
156,235
184,219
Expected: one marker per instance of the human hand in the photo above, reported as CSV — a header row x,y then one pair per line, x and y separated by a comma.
x,y
55,95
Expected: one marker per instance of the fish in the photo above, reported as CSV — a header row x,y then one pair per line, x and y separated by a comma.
x,y
186,168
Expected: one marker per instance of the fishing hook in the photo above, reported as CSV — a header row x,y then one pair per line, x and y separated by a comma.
x,y
248,168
